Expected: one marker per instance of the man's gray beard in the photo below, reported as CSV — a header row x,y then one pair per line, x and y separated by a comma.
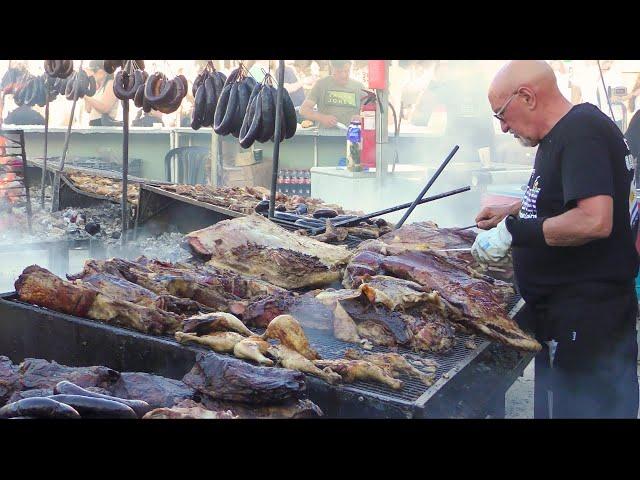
x,y
525,142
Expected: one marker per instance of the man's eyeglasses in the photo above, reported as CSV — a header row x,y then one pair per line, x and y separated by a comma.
x,y
500,113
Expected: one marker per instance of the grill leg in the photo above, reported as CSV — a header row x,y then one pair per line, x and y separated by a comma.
x,y
542,383
497,407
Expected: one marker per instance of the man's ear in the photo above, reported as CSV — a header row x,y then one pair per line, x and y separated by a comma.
x,y
529,97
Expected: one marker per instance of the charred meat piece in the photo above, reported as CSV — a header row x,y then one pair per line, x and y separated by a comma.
x,y
117,287
364,262
223,342
288,331
40,374
157,391
471,301
262,310
378,324
254,245
188,409
352,370
394,362
39,286
395,293
9,379
289,409
215,322
230,379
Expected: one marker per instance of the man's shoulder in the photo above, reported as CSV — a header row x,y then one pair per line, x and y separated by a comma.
x,y
355,84
585,120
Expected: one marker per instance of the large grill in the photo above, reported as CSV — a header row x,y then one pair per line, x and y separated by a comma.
x,y
27,331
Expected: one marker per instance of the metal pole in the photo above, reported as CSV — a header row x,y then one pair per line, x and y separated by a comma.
x,y
125,169
55,201
46,142
604,89
427,186
276,139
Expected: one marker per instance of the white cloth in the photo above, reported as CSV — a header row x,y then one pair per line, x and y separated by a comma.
x,y
493,245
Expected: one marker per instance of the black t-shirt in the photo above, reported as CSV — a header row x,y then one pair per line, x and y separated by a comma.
x,y
583,155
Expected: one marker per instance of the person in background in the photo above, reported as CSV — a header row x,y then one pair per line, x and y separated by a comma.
x,y
24,115
103,106
563,77
632,97
292,82
572,241
303,67
147,119
336,96
419,73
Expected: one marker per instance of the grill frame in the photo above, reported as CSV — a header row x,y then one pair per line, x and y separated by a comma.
x,y
26,330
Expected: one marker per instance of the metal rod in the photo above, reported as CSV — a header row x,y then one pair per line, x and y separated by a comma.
x,y
46,143
26,180
393,209
55,202
276,139
125,170
604,89
427,186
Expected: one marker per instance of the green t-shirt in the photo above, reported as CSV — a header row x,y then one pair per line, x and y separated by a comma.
x,y
341,101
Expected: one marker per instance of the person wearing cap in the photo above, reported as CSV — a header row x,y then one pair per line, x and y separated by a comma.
x,y
336,96
572,241
103,106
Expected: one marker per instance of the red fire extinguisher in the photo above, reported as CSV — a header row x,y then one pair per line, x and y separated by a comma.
x,y
368,113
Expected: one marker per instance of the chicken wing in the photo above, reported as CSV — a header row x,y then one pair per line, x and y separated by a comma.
x,y
287,329
212,322
396,363
253,348
223,342
291,359
352,370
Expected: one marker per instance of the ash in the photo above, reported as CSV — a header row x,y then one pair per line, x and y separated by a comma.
x,y
81,224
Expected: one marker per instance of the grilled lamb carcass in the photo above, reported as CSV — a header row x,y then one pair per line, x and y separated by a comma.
x,y
288,331
253,245
291,359
223,342
352,370
215,322
253,348
394,362
118,287
41,287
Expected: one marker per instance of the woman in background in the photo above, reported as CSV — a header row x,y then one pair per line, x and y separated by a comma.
x,y
103,106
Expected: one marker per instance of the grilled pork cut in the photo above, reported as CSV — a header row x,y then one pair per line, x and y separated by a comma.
x,y
39,286
253,245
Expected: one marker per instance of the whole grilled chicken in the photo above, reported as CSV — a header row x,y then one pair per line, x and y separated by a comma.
x,y
291,359
352,370
253,348
392,362
287,329
222,342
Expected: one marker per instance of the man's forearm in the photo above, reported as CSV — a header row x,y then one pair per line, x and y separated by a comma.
x,y
514,209
572,229
311,114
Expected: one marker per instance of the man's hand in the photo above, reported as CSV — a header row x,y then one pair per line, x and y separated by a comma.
x,y
490,216
328,121
492,246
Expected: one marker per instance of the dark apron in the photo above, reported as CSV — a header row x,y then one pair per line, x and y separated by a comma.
x,y
594,371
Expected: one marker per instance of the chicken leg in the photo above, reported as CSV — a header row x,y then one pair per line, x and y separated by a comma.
x,y
394,362
352,370
289,358
253,348
222,342
211,322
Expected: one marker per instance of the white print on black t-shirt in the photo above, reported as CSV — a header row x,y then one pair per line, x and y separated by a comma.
x,y
529,207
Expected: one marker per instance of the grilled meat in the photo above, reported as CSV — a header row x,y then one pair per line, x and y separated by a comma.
x,y
230,379
188,409
352,370
291,359
288,331
253,245
215,322
39,286
223,342
393,362
118,287
253,348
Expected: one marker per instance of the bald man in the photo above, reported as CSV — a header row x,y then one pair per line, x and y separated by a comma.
x,y
572,238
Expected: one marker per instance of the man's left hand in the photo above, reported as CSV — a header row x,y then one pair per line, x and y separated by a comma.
x,y
493,245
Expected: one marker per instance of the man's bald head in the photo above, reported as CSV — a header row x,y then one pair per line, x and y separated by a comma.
x,y
535,74
526,94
